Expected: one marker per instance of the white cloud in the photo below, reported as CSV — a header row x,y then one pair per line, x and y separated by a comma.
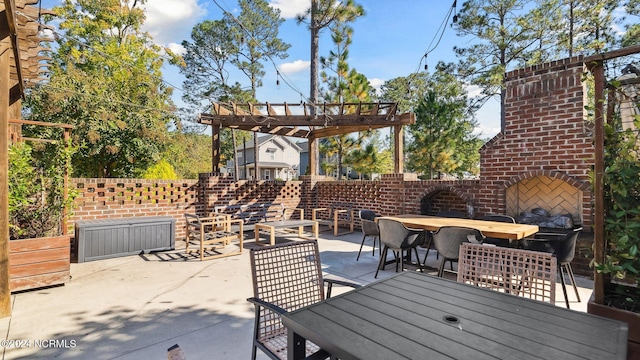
x,y
177,48
171,21
290,8
474,91
294,67
376,83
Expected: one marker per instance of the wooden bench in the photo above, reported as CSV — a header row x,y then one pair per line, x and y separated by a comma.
x,y
252,213
337,215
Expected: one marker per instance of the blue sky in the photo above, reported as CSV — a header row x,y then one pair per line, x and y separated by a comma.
x,y
388,42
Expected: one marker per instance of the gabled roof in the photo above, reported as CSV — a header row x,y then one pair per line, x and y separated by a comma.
x,y
266,138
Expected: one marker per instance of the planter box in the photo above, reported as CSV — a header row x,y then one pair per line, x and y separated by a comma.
x,y
632,318
35,263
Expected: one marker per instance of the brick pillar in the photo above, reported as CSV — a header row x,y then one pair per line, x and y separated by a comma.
x,y
392,193
308,195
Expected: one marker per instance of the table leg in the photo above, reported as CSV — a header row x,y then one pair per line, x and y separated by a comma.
x,y
256,230
296,346
300,228
315,227
272,235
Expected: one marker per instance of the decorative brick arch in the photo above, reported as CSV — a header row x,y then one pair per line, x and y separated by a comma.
x,y
432,191
579,184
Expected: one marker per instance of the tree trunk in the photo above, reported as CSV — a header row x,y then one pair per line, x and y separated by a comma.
x,y
314,148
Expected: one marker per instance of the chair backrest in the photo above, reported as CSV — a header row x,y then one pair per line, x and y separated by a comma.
x,y
288,275
367,223
447,239
565,248
525,273
367,215
397,236
344,215
499,218
452,214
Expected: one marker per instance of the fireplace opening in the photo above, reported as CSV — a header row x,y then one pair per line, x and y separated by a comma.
x,y
439,201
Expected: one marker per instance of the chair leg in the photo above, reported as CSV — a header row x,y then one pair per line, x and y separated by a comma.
x,y
418,260
573,279
564,286
361,245
374,246
383,259
429,240
399,260
441,267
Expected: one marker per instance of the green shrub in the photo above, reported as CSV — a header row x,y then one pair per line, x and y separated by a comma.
x,y
36,189
162,170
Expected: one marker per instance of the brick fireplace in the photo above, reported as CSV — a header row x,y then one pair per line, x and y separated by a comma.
x,y
543,156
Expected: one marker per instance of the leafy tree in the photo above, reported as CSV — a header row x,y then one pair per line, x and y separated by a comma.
x,y
36,189
245,42
206,68
255,34
206,64
189,153
374,157
105,79
161,170
546,20
323,14
441,140
587,28
407,91
632,35
343,85
503,37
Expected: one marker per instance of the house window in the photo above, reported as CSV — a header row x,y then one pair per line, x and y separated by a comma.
x,y
272,153
267,174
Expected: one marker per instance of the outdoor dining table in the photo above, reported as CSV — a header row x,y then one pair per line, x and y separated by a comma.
x,y
492,229
419,316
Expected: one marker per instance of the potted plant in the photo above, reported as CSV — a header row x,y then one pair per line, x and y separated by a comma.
x,y
39,249
621,263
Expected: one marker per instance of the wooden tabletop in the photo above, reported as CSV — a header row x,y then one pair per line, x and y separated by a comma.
x,y
492,229
419,316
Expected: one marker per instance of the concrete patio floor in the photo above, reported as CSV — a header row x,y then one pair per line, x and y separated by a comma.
x,y
136,307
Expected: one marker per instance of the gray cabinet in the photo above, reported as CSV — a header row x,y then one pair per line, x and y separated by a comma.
x,y
107,238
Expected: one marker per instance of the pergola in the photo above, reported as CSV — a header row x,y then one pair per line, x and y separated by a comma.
x,y
307,121
20,64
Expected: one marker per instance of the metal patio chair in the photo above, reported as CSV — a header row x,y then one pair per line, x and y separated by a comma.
x,y
498,218
447,241
286,277
397,237
563,247
369,228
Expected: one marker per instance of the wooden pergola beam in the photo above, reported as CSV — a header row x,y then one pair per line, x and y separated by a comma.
x,y
311,121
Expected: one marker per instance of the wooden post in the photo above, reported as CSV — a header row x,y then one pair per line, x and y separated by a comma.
x,y
67,136
5,86
313,156
398,153
215,150
597,70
